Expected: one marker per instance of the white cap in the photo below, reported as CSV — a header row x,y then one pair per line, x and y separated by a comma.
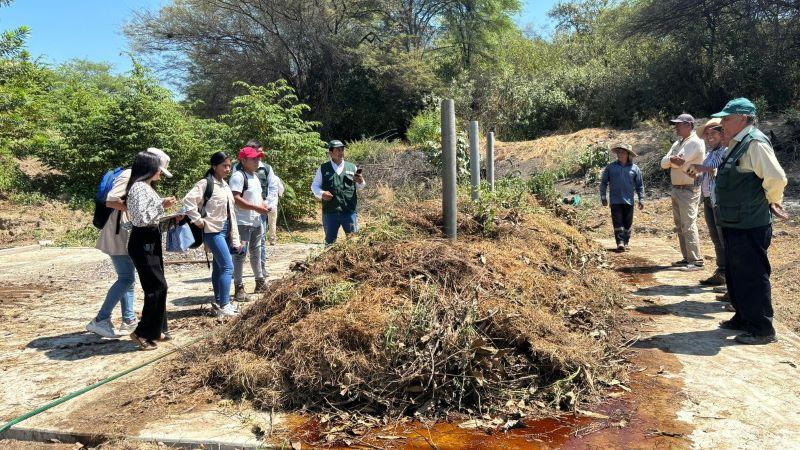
x,y
164,158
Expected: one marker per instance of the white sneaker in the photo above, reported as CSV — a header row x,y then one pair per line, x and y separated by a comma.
x,y
104,328
127,328
691,268
227,310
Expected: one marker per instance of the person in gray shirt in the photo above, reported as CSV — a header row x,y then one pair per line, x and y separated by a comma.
x,y
622,177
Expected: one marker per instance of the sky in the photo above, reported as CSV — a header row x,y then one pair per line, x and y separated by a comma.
x,y
62,30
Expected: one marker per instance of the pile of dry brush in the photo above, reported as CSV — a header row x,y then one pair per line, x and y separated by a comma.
x,y
399,321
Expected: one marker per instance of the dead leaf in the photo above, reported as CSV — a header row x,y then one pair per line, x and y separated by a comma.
x,y
592,414
471,424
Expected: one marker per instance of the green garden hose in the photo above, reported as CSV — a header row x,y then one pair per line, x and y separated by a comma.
x,y
77,393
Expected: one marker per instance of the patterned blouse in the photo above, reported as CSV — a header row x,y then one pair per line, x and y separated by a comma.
x,y
144,205
713,159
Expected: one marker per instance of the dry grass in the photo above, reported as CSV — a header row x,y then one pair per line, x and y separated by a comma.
x,y
399,321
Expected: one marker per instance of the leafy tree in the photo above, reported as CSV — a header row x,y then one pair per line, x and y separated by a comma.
x,y
23,84
273,115
102,121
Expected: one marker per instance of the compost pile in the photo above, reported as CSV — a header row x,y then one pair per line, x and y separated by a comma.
x,y
517,314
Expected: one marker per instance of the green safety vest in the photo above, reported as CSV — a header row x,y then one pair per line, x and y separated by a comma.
x,y
741,200
343,188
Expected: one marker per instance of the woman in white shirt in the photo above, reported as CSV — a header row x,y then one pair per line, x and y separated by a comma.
x,y
216,216
145,208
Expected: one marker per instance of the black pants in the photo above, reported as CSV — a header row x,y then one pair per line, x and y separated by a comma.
x,y
715,231
144,248
622,219
747,273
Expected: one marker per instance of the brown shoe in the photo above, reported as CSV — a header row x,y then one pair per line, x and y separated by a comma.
x,y
261,286
239,294
144,344
718,279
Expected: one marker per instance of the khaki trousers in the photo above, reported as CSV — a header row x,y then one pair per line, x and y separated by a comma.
x,y
685,206
272,223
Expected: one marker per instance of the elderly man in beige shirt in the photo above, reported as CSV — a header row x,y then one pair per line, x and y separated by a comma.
x,y
688,150
749,191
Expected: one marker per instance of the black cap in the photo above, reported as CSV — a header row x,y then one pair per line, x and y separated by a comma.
x,y
334,144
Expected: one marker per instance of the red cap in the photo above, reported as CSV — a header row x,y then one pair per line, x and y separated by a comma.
x,y
250,152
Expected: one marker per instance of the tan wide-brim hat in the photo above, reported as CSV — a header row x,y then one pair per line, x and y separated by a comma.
x,y
627,147
711,123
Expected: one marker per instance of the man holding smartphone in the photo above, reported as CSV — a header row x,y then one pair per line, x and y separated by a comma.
x,y
336,185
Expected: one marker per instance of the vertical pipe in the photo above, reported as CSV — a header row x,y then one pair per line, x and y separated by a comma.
x,y
474,159
449,173
490,159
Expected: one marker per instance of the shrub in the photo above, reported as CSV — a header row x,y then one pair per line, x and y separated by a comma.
x,y
425,126
364,150
433,151
273,114
542,186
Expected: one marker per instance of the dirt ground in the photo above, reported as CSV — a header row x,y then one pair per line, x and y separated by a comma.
x,y
49,294
677,360
655,221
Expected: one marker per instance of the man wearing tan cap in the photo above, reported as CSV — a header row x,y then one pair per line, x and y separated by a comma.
x,y
688,150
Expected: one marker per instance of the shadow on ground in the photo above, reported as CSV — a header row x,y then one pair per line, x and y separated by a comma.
x,y
687,308
191,300
671,290
80,345
698,343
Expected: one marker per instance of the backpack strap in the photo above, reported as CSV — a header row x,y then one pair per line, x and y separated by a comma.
x,y
244,175
119,217
207,193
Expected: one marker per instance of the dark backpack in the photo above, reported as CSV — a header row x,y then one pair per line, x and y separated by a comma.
x,y
197,232
101,211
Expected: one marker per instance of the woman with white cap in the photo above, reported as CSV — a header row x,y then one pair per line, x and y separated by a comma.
x,y
145,209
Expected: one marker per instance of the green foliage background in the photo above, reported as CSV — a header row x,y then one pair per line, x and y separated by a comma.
x,y
371,70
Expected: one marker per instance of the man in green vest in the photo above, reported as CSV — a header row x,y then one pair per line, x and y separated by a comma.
x,y
748,192
336,185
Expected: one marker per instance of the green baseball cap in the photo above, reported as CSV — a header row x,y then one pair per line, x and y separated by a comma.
x,y
739,105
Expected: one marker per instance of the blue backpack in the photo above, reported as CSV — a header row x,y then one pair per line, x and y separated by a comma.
x,y
101,211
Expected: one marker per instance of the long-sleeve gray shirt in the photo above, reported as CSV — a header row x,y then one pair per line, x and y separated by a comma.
x,y
621,181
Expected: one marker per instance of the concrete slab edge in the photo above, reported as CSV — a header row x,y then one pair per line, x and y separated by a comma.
x,y
69,437
24,248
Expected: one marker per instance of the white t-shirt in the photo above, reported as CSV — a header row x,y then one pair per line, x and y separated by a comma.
x,y
252,196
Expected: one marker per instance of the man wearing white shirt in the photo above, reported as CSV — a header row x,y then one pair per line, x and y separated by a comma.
x,y
687,151
250,206
336,185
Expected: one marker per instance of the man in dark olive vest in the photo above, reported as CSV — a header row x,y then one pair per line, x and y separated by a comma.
x,y
748,192
336,185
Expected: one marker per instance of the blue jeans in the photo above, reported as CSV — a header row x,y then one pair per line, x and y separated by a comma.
x,y
332,221
222,270
121,291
